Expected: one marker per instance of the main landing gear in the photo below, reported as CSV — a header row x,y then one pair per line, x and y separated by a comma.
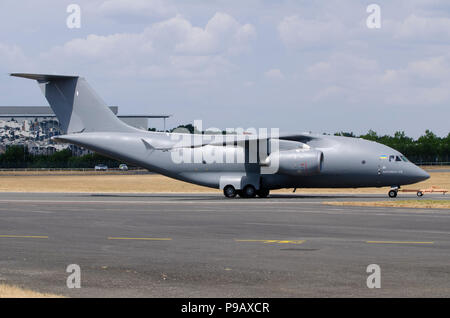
x,y
263,193
229,191
249,191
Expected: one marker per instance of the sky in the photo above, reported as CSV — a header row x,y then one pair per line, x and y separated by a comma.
x,y
288,64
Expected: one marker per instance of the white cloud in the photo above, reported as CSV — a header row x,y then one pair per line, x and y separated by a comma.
x,y
319,68
427,70
354,66
274,74
136,8
421,82
341,66
329,93
297,32
12,58
422,28
355,79
332,32
98,47
222,33
173,47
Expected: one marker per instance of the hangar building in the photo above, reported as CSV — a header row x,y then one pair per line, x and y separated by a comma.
x,y
33,126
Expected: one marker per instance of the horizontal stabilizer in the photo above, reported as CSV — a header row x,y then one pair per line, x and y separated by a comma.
x,y
42,77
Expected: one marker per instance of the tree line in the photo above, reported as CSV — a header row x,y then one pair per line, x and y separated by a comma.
x,y
19,157
425,149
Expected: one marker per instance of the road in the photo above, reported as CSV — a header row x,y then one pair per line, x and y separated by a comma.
x,y
183,245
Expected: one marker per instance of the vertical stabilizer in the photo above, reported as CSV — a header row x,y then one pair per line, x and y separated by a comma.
x,y
76,104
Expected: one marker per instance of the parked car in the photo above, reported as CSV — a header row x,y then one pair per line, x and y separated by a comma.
x,y
101,167
123,167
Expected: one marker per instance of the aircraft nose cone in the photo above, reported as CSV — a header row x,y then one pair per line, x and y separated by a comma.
x,y
419,174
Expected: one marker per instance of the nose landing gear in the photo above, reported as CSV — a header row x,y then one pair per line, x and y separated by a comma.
x,y
393,192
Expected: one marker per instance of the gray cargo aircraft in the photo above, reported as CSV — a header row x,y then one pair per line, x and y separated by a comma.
x,y
239,164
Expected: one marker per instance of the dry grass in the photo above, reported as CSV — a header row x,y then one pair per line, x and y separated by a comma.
x,y
15,173
423,204
152,183
7,291
434,167
97,183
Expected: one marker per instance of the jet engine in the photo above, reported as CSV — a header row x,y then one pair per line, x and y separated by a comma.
x,y
298,162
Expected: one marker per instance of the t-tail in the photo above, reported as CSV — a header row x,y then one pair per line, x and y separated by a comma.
x,y
77,105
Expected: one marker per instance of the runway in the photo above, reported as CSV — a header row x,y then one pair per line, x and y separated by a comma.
x,y
197,245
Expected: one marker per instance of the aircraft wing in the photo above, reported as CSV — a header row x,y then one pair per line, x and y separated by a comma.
x,y
196,141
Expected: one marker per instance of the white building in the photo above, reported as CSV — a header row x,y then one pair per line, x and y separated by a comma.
x,y
34,126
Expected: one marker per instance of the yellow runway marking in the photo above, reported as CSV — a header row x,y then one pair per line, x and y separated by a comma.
x,y
274,241
140,238
397,242
23,236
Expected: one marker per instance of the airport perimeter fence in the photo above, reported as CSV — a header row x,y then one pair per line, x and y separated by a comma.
x,y
432,163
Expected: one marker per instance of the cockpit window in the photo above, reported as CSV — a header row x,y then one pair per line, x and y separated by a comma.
x,y
395,158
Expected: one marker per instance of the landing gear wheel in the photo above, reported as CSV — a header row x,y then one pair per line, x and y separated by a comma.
x,y
419,193
263,193
229,191
392,194
249,191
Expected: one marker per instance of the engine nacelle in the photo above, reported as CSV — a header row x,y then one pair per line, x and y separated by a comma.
x,y
298,162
